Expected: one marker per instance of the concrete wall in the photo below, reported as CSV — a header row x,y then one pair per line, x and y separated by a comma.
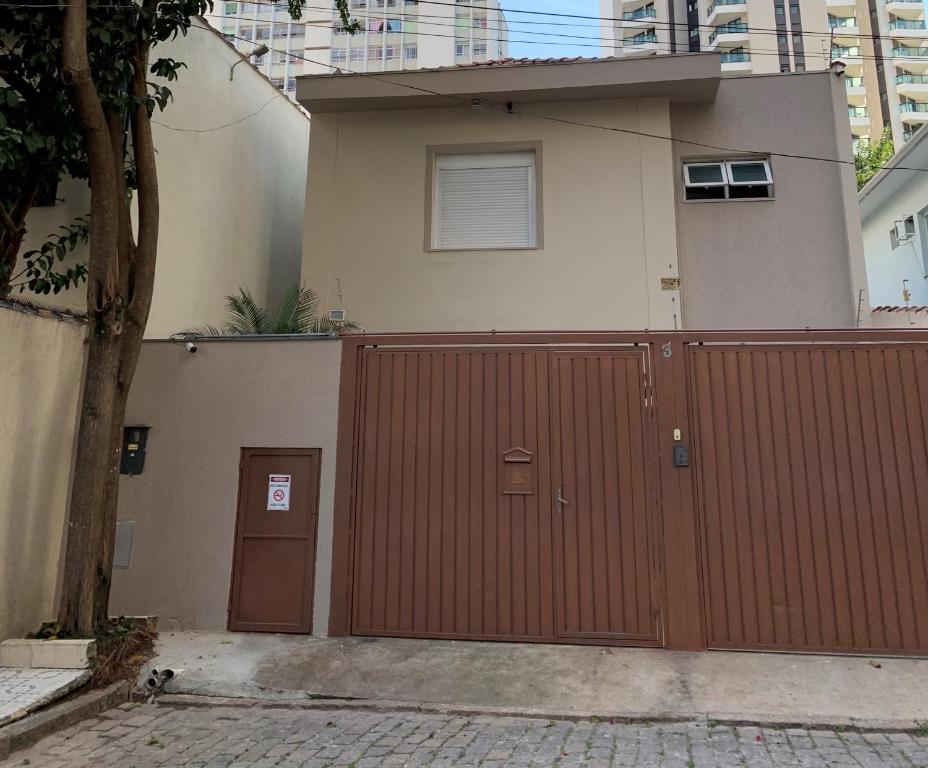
x,y
796,260
607,208
231,189
203,408
39,387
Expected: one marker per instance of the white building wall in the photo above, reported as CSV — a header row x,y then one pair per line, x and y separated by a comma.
x,y
232,179
887,267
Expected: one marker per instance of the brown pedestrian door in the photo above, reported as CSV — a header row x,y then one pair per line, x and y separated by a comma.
x,y
275,540
603,528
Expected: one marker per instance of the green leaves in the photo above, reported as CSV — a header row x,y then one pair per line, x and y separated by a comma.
x,y
40,274
296,315
871,156
40,141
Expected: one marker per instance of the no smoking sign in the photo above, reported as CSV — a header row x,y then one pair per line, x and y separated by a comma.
x,y
278,492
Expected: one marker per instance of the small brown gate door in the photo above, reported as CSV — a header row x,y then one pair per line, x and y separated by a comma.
x,y
602,531
275,540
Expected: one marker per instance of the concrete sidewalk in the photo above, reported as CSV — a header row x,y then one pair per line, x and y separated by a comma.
x,y
553,680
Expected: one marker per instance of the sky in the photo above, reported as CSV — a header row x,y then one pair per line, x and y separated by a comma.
x,y
552,38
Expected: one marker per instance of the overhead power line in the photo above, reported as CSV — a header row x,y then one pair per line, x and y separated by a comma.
x,y
655,23
507,110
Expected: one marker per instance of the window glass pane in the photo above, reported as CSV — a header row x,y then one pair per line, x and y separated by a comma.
x,y
749,191
705,193
705,174
746,173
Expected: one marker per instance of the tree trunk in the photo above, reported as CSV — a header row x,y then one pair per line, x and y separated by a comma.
x,y
96,463
137,280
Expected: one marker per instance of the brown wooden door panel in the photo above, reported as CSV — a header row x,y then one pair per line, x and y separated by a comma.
x,y
603,530
812,468
439,550
274,557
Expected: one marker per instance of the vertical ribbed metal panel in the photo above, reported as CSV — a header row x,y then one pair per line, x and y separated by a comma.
x,y
812,467
603,530
439,550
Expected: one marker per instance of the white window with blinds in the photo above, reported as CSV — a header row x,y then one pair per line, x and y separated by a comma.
x,y
484,201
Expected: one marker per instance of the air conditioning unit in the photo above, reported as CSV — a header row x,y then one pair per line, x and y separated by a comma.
x,y
338,315
905,229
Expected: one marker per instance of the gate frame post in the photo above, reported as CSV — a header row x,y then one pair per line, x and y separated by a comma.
x,y
343,523
684,620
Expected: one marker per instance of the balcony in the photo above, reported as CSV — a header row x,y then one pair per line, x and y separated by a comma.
x,y
860,123
908,9
911,57
907,29
725,10
632,5
914,111
906,135
733,34
641,17
911,84
854,85
849,54
843,26
640,45
736,61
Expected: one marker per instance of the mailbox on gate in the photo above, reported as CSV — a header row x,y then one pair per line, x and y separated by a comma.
x,y
518,475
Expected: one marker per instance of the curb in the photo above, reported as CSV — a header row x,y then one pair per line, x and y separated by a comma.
x,y
187,700
26,732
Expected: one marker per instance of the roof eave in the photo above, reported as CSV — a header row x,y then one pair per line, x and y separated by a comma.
x,y
681,78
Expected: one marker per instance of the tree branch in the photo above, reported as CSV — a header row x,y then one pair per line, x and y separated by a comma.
x,y
101,282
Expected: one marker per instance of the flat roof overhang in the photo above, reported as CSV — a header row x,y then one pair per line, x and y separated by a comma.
x,y
691,77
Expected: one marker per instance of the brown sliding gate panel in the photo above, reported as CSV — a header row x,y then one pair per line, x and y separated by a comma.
x,y
812,467
461,458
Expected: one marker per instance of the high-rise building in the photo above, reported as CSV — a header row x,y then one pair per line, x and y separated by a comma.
x,y
394,34
881,42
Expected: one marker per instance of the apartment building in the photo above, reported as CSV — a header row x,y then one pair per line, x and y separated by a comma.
x,y
394,35
883,43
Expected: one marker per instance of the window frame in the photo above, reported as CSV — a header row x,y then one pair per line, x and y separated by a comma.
x,y
726,164
504,147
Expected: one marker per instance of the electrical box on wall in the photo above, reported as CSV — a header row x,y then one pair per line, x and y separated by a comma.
x,y
134,439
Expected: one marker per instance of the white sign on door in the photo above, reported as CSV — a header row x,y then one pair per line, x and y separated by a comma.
x,y
278,492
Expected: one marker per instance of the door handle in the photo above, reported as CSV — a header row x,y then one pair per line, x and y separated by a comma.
x,y
560,500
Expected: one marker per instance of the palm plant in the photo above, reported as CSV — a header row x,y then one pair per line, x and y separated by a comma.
x,y
296,315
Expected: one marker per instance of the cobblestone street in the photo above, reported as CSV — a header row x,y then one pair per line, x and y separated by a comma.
x,y
232,737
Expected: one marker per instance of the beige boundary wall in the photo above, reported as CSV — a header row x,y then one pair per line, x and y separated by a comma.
x,y
203,408
40,388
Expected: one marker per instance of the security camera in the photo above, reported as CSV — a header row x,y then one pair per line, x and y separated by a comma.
x,y
190,347
837,68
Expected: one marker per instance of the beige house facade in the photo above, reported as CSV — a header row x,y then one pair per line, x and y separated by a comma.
x,y
618,233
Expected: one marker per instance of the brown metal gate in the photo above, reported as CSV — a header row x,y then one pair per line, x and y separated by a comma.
x,y
525,486
813,489
462,454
